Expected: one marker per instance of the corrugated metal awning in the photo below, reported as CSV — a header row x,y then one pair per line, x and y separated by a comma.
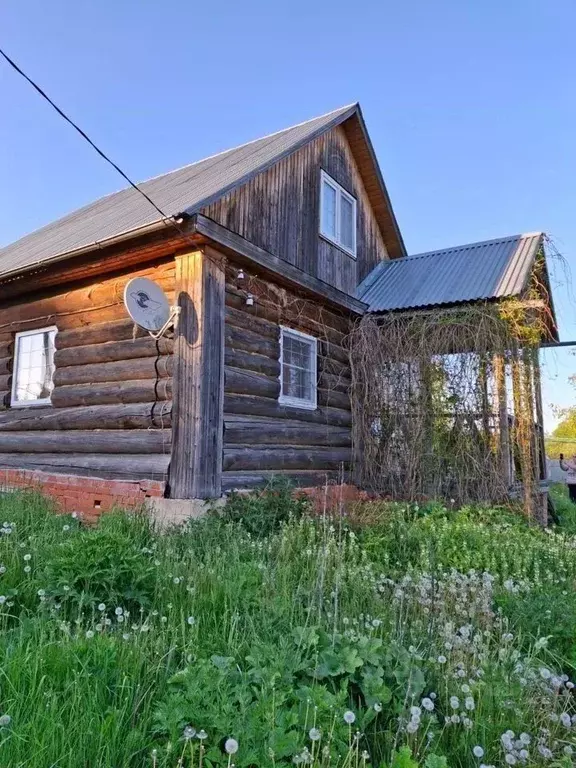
x,y
491,269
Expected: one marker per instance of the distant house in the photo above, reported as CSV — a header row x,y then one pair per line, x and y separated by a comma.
x,y
271,250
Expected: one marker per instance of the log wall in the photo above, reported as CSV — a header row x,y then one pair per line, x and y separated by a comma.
x,y
111,412
261,437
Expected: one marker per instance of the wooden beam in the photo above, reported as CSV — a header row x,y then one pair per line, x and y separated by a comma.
x,y
113,417
119,370
236,246
133,466
72,441
112,393
196,466
499,367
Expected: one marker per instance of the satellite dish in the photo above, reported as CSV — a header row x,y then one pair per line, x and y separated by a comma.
x,y
147,304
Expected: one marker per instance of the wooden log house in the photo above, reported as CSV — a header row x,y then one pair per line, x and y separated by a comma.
x,y
271,250
263,248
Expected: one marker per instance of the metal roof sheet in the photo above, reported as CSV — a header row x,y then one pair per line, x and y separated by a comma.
x,y
184,190
487,270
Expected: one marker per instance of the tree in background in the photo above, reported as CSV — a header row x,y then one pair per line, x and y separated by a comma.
x,y
565,431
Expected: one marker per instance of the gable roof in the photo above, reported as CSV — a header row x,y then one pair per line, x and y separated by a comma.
x,y
491,269
189,189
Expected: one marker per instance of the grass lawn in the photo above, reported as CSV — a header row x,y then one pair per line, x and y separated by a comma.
x,y
424,638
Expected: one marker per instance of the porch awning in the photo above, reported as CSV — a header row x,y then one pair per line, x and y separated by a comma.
x,y
492,269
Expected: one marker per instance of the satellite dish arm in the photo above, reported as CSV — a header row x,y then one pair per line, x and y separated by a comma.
x,y
174,313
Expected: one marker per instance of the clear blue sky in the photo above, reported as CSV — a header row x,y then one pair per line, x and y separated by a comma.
x,y
471,105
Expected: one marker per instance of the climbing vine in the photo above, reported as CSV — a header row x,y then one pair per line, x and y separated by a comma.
x,y
446,401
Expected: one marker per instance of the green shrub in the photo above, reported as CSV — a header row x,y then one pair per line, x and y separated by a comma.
x,y
564,508
263,512
108,564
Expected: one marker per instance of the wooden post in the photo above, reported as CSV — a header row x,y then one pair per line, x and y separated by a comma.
x,y
484,400
499,365
539,412
197,416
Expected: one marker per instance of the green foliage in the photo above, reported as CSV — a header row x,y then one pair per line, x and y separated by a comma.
x,y
262,513
315,645
566,430
564,508
109,564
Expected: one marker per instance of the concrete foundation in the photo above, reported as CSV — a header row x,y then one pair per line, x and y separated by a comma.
x,y
169,512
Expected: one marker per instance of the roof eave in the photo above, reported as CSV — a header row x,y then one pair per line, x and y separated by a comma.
x,y
400,250
97,245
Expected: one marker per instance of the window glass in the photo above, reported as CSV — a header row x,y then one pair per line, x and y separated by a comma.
x,y
346,222
298,365
328,210
338,215
34,366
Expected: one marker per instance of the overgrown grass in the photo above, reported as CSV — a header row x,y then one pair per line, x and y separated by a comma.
x,y
264,638
565,509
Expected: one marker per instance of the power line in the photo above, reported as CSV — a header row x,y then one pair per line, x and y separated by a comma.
x,y
85,136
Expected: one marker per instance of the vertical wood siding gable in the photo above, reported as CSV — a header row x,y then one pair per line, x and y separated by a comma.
x,y
279,210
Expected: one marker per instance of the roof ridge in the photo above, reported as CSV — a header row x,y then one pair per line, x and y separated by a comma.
x,y
483,243
171,172
245,144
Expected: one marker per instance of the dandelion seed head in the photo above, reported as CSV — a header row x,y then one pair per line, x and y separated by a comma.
x,y
5,721
314,734
349,717
189,732
191,620
478,751
231,746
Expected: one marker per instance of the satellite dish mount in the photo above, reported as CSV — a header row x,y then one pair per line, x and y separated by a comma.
x,y
148,306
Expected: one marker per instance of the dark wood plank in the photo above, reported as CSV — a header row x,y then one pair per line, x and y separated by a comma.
x,y
113,350
264,406
257,432
112,392
120,370
243,382
87,441
239,459
137,467
126,416
196,468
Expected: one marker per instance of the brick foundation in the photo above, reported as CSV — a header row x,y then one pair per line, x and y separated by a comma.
x,y
334,499
88,496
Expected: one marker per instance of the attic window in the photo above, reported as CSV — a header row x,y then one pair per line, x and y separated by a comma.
x,y
33,367
337,215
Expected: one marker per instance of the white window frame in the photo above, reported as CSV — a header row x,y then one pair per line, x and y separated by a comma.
x,y
298,402
14,403
340,193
